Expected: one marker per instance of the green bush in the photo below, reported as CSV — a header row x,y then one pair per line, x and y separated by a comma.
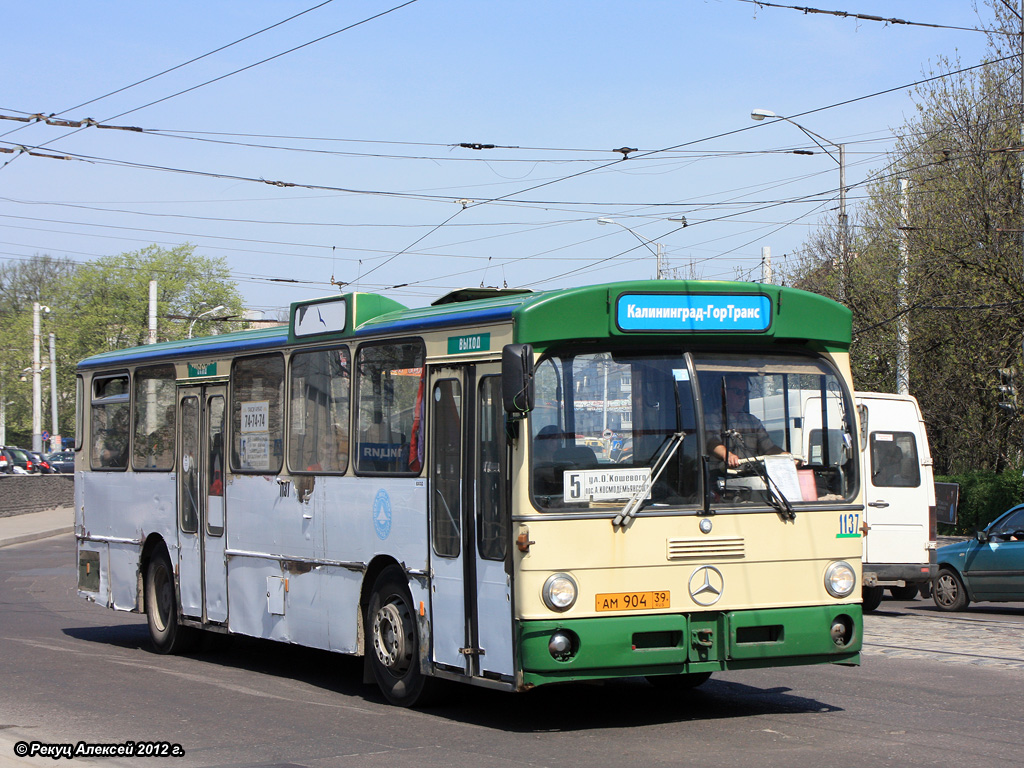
x,y
983,497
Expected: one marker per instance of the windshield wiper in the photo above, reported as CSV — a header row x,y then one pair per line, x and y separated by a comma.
x,y
633,505
776,498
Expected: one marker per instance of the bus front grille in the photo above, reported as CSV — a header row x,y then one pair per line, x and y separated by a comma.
x,y
703,549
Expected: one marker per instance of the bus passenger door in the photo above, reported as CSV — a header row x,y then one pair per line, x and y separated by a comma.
x,y
202,576
469,523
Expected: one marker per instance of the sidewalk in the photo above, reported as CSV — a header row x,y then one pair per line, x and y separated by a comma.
x,y
17,529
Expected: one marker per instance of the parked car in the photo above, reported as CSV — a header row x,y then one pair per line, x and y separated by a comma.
x,y
987,567
61,461
40,465
18,462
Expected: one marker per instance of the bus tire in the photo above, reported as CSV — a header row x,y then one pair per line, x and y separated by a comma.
x,y
949,592
165,631
392,641
679,682
871,598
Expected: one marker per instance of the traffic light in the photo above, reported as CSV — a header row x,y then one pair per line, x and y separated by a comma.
x,y
1008,390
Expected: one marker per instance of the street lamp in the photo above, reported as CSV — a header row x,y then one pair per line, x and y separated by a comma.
x,y
761,114
659,253
191,325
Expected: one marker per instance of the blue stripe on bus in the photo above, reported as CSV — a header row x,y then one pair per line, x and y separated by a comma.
x,y
197,348
232,344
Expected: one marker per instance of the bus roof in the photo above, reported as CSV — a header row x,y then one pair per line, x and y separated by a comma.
x,y
724,311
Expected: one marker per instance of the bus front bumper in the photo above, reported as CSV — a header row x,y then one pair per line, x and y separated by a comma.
x,y
673,644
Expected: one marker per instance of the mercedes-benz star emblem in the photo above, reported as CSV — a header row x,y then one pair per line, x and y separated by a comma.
x,y
706,585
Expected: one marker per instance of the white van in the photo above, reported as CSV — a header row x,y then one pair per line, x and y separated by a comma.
x,y
899,496
898,522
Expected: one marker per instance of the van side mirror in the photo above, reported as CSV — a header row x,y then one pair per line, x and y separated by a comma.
x,y
517,379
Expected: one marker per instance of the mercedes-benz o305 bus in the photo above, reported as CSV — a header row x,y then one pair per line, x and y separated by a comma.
x,y
505,488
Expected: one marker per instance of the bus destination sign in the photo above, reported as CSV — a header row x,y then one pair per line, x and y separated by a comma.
x,y
319,317
717,313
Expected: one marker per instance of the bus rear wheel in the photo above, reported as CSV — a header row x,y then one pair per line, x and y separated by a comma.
x,y
392,641
165,631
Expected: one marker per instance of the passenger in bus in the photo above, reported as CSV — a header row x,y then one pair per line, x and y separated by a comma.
x,y
737,434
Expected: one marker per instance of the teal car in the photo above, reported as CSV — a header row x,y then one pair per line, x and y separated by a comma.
x,y
988,567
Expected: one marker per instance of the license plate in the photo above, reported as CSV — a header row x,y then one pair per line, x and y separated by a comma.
x,y
633,601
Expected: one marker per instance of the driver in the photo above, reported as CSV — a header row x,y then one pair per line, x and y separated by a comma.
x,y
746,436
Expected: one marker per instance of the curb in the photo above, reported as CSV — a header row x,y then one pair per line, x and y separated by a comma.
x,y
35,536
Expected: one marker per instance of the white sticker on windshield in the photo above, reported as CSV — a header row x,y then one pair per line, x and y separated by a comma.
x,y
604,484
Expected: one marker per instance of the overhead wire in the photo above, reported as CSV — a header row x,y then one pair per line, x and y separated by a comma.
x,y
245,68
506,198
186,63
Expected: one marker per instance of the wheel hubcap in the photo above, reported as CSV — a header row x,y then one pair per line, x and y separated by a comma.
x,y
946,590
390,637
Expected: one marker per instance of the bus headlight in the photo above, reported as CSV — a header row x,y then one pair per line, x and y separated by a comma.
x,y
840,579
559,592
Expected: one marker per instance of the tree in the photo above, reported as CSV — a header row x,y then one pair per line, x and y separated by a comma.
x,y
964,286
23,283
111,297
97,307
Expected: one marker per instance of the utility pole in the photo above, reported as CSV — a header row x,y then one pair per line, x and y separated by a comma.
x,y
55,440
152,312
37,380
844,232
766,264
903,319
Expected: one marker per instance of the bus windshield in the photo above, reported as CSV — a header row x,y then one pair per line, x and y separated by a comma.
x,y
603,419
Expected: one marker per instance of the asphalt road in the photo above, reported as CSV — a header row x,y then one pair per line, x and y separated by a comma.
x,y
934,689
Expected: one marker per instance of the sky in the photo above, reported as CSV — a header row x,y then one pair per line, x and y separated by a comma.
x,y
325,153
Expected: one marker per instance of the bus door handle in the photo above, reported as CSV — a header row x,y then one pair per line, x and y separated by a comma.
x,y
880,504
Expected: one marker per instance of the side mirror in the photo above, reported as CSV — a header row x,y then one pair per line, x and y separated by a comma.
x,y
517,379
983,536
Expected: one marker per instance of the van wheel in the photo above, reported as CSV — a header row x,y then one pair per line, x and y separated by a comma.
x,y
871,598
908,592
392,641
165,631
948,591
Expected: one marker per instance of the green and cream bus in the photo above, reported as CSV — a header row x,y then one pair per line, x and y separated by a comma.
x,y
504,488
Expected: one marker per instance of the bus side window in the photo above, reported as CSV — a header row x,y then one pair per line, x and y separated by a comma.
x,y
257,418
109,425
153,416
390,400
319,411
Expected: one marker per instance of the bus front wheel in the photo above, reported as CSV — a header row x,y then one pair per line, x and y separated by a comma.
x,y
392,640
165,632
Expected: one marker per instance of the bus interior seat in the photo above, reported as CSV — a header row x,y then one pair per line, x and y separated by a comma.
x,y
576,457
